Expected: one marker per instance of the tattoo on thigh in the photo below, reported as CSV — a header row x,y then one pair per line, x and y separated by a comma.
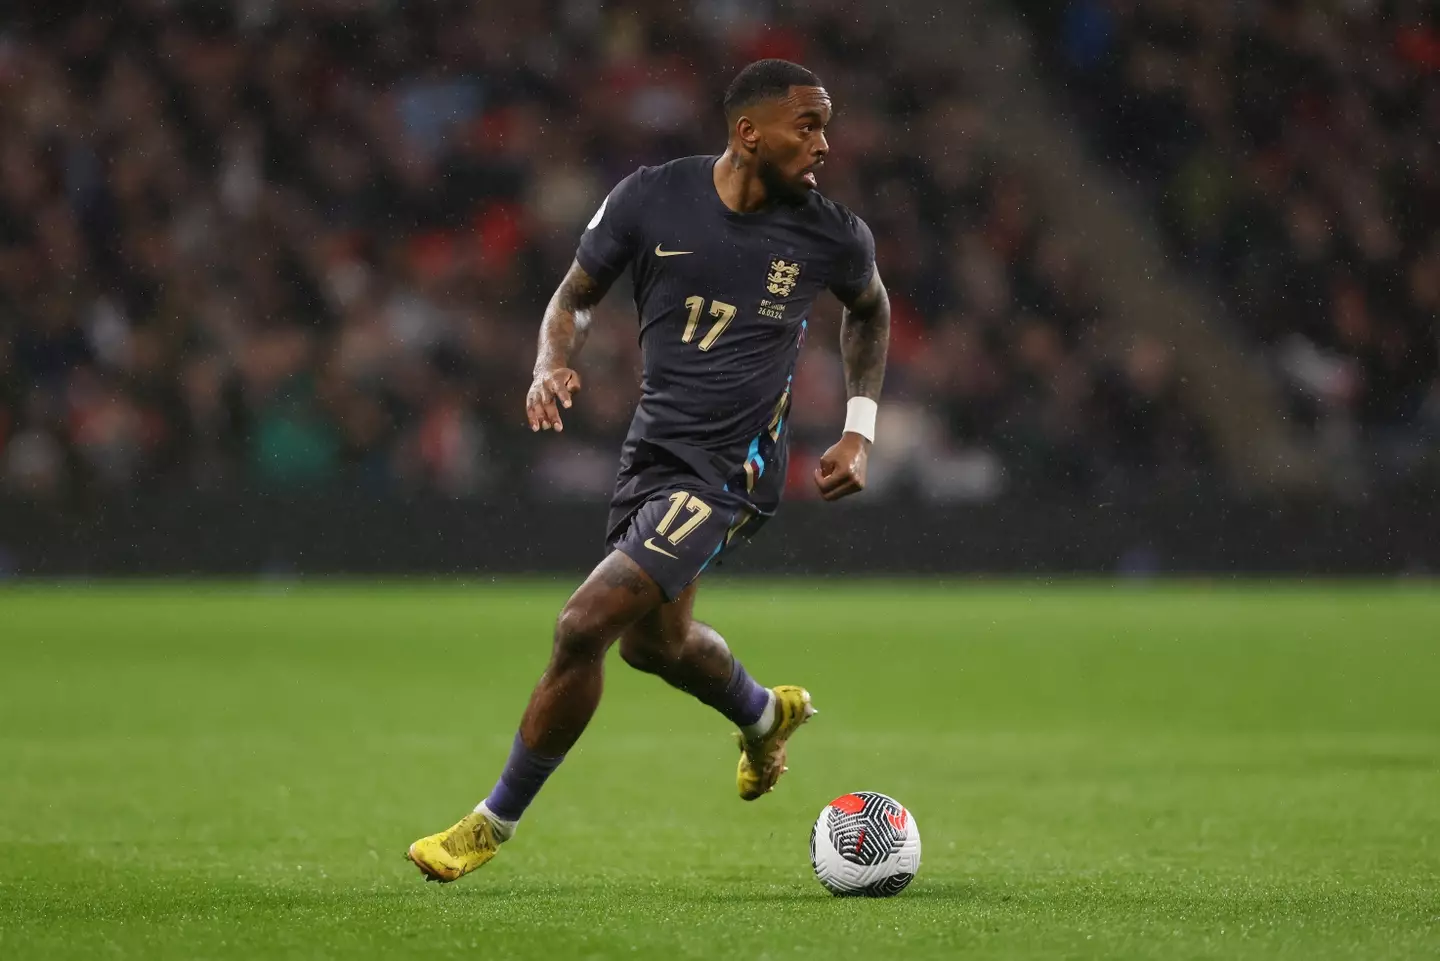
x,y
619,575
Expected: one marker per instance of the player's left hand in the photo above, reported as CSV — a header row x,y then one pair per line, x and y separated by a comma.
x,y
842,467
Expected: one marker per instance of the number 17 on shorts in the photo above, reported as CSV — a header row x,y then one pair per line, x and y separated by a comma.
x,y
673,537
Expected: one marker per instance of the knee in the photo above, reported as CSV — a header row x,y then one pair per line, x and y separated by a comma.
x,y
579,636
645,652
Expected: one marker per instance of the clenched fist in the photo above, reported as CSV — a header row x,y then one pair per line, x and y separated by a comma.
x,y
842,467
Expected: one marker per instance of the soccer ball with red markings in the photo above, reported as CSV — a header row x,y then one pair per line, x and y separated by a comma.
x,y
865,844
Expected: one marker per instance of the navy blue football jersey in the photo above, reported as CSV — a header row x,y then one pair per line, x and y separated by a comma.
x,y
723,299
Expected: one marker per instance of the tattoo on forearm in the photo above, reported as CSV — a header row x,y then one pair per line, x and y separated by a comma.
x,y
864,340
567,319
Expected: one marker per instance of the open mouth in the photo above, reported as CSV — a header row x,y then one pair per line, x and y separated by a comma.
x,y
808,174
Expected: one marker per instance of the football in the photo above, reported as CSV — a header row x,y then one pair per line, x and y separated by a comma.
x,y
865,844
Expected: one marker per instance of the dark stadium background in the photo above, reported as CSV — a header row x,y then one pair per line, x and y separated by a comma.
x,y
1165,278
280,561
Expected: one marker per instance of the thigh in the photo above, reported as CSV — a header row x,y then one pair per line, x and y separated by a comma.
x,y
675,534
616,595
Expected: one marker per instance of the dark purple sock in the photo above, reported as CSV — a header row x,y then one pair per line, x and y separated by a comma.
x,y
743,700
524,775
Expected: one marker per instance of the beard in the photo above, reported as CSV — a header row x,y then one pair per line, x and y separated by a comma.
x,y
778,188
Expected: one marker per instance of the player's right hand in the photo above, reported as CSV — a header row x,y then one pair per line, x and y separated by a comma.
x,y
549,387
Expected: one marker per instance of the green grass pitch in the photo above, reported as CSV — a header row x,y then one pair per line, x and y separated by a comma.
x,y
1182,771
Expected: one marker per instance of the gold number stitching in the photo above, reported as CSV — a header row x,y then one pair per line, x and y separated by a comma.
x,y
701,510
698,509
677,501
694,305
725,313
722,312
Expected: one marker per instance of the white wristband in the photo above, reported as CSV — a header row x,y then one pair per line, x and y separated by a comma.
x,y
860,417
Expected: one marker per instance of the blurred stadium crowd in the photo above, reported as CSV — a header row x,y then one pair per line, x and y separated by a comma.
x,y
295,244
1292,150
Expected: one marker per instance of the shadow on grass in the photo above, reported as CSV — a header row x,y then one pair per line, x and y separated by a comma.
x,y
510,902
921,891
188,896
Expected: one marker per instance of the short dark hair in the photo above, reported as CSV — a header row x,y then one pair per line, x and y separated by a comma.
x,y
764,79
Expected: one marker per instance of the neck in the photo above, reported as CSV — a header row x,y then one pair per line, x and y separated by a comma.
x,y
737,183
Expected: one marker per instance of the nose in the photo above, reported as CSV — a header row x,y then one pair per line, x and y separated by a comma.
x,y
822,147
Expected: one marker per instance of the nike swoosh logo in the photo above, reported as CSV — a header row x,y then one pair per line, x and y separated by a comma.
x,y
671,253
650,543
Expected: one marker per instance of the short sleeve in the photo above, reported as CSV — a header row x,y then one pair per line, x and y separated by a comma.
x,y
856,263
611,238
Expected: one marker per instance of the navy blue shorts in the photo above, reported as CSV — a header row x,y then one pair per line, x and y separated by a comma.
x,y
674,523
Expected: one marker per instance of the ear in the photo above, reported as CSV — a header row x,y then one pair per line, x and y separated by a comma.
x,y
746,133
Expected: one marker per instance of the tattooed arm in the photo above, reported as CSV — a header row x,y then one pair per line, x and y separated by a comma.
x,y
562,332
864,339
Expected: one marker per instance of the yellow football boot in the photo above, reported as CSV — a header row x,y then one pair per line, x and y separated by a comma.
x,y
452,854
762,760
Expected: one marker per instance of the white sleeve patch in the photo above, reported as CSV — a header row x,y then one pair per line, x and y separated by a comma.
x,y
595,220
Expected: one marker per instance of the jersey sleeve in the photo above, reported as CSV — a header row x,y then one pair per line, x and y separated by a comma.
x,y
611,238
856,263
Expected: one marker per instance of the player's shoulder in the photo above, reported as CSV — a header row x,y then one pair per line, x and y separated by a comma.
x,y
680,173
846,236
834,215
847,243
